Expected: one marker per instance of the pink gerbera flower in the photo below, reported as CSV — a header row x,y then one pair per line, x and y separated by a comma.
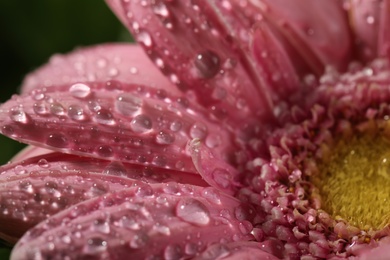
x,y
266,136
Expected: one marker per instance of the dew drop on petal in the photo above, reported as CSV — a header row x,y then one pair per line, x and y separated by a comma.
x,y
95,245
207,63
18,115
104,117
175,126
57,140
164,138
57,109
116,169
141,124
101,226
139,240
76,113
104,151
40,108
128,104
80,90
198,130
19,169
43,163
173,252
144,38
193,211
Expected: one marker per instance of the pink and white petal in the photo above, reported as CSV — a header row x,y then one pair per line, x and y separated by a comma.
x,y
116,61
170,224
39,187
312,26
28,152
191,42
114,121
235,250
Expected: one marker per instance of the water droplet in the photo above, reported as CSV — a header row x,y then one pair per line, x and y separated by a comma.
x,y
164,138
76,113
40,108
139,240
113,72
19,169
116,169
104,117
26,186
213,141
57,109
370,19
193,211
141,124
95,245
144,38
80,90
18,115
101,63
144,191
159,160
94,106
198,130
211,195
104,151
128,104
173,252
43,163
207,64
57,140
101,226
175,126
133,70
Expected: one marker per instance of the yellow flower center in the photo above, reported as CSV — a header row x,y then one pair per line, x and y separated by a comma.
x,y
354,182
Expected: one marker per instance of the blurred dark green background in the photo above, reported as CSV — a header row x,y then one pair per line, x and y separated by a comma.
x,y
31,31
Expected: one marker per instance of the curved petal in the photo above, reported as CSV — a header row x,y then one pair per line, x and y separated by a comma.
x,y
116,61
312,26
39,187
163,223
384,30
28,152
114,121
191,41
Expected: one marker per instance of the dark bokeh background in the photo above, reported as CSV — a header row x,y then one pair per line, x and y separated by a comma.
x,y
32,31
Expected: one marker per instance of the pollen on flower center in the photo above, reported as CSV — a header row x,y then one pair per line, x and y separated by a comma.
x,y
354,182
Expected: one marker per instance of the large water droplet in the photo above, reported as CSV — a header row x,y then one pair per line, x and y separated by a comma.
x,y
193,211
104,117
115,168
57,140
141,124
75,112
18,115
80,90
128,104
57,109
207,64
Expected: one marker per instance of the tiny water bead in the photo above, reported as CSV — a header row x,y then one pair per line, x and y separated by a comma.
x,y
207,64
354,181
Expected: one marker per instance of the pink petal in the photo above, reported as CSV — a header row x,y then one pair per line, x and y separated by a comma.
x,y
164,223
40,187
114,121
384,30
192,44
214,171
364,16
122,62
28,152
235,250
312,26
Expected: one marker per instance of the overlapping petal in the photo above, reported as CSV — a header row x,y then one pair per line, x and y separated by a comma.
x,y
111,120
163,221
116,61
39,187
216,68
